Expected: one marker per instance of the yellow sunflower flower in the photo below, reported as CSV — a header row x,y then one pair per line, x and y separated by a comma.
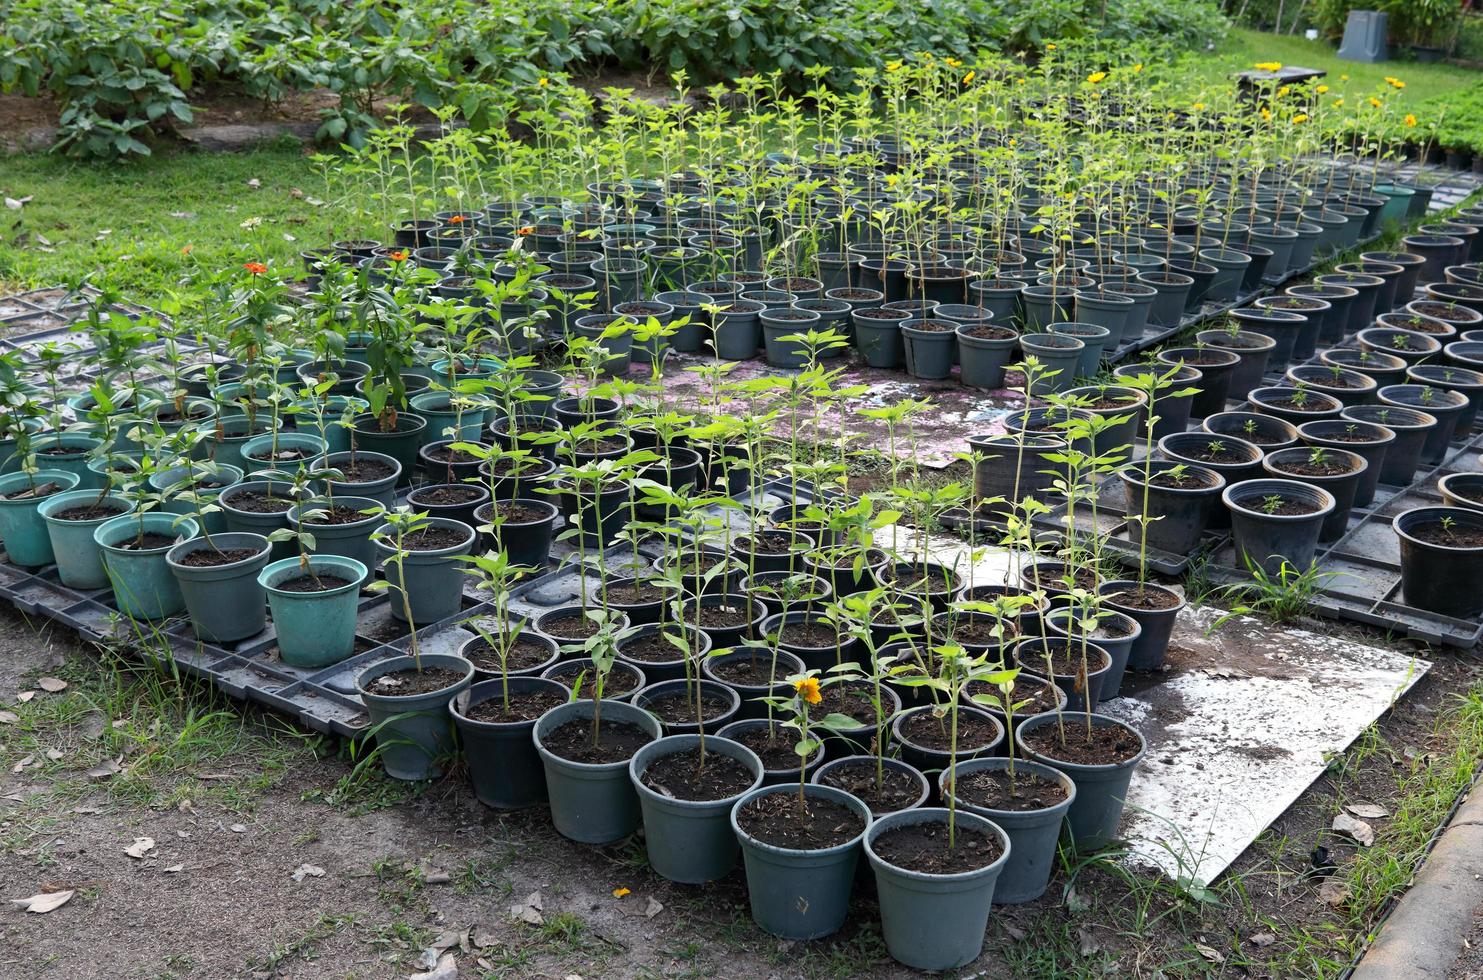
x,y
1096,77
808,689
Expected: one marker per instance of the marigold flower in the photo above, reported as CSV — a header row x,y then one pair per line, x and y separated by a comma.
x,y
954,63
1096,77
457,219
187,249
256,268
1322,89
1198,106
1266,113
1138,67
1301,117
400,255
808,687
1283,91
968,78
1339,101
1050,47
544,82
1343,78
1374,102
1410,119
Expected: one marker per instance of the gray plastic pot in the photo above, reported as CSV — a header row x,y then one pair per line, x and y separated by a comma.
x,y
1173,289
690,841
983,359
1269,540
1033,834
928,353
935,921
879,340
591,803
414,733
663,688
1059,357
1101,790
433,579
1058,622
1178,515
503,763
1155,626
1095,336
225,602
800,894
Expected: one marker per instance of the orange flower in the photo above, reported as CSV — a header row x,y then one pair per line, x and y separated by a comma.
x,y
256,268
525,230
621,892
187,249
400,255
808,687
457,219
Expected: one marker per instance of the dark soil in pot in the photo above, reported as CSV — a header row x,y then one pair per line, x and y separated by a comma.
x,y
685,776
206,558
923,848
404,683
365,470
1106,745
774,748
258,503
992,789
781,820
615,741
523,706
898,788
678,707
525,653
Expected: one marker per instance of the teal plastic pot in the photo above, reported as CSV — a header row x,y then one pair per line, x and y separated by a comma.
x,y
225,602
383,491
1033,834
929,353
208,487
76,447
336,437
934,921
1101,790
253,522
1059,356
983,359
256,452
436,407
800,894
315,629
401,444
143,587
879,339
414,733
79,559
27,542
228,435
591,803
1095,336
350,540
690,841
433,579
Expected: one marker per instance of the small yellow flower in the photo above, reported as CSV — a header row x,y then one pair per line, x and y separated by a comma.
x,y
1410,119
1266,113
544,82
1096,77
1138,67
1050,47
1398,83
1283,91
1198,106
968,78
620,892
1301,117
893,66
954,63
1374,102
1339,101
1268,66
1322,89
1343,78
808,689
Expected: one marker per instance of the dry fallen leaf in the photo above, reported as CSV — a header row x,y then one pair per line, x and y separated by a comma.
x,y
307,871
174,869
1361,831
25,696
239,828
1210,953
447,969
16,203
109,768
654,908
528,911
254,183
9,717
1334,892
140,847
45,901
1369,811
1263,939
52,685
54,755
21,765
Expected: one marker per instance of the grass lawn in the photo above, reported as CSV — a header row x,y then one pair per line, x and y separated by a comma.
x,y
1243,48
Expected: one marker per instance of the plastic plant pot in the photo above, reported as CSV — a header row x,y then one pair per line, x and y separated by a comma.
x,y
315,628
1341,486
690,841
1062,623
258,452
429,585
1179,506
1447,407
1173,407
984,351
1101,789
503,763
680,686
1254,350
400,443
800,894
1112,402
414,732
1364,439
930,759
869,763
263,522
1173,292
1059,357
437,407
1462,490
1283,326
526,541
1348,387
1411,430
79,558
1293,404
351,539
1442,559
777,666
1033,832
1268,539
878,336
1265,431
1096,339
22,527
143,587
928,347
1155,625
592,803
225,602
71,453
935,921
1217,368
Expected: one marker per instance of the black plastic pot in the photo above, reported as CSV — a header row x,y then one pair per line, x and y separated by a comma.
x,y
1156,626
1272,541
1217,368
503,763
1446,407
525,542
1030,656
1283,326
1278,400
1178,515
1266,432
1254,350
1341,486
1435,575
1364,439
